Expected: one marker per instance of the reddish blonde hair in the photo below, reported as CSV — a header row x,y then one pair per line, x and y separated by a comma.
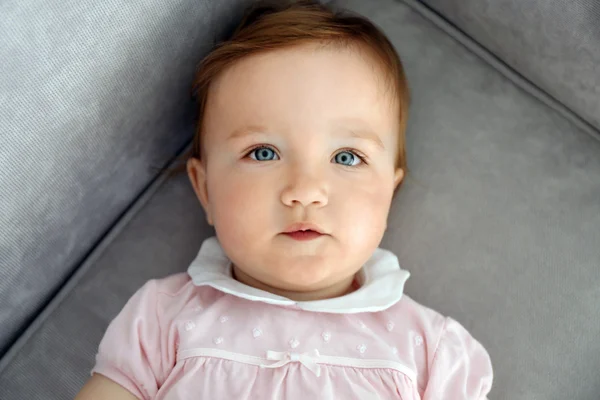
x,y
272,25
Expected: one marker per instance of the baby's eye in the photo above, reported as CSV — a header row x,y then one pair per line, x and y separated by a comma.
x,y
263,154
348,158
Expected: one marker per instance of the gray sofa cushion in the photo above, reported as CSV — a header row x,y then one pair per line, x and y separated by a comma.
x,y
160,235
498,224
555,44
95,98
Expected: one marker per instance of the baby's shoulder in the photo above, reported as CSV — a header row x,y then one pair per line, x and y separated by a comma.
x,y
419,317
170,285
170,295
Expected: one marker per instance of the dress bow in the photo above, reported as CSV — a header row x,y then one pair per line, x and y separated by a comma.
x,y
309,360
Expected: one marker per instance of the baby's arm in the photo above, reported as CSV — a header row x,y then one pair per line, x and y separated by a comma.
x,y
99,387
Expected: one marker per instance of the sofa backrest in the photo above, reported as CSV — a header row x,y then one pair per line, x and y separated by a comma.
x,y
95,99
554,44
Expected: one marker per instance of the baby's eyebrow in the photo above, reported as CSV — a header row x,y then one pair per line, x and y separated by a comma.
x,y
359,133
365,134
247,130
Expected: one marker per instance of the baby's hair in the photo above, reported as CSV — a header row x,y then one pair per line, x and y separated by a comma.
x,y
278,24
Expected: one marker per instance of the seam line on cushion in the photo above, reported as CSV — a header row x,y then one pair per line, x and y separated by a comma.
x,y
95,252
506,70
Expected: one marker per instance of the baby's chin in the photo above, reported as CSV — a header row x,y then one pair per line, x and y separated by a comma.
x,y
303,276
305,273
289,265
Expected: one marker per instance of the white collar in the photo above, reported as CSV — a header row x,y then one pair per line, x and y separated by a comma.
x,y
381,282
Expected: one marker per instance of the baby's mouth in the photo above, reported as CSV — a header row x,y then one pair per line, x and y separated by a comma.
x,y
302,235
304,231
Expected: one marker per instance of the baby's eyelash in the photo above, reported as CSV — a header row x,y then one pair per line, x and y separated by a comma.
x,y
259,146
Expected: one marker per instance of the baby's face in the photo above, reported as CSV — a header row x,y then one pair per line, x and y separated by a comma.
x,y
300,138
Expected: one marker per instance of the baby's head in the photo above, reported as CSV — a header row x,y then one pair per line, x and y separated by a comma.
x,y
300,146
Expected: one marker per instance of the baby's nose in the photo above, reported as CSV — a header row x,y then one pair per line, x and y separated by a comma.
x,y
305,188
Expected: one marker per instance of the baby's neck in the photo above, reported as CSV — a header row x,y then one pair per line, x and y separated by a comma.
x,y
337,290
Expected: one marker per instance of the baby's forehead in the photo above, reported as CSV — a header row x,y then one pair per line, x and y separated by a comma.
x,y
312,71
300,92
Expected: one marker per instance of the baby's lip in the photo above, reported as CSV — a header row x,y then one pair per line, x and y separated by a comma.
x,y
304,226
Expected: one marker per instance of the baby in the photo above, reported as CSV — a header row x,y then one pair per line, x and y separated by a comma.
x,y
298,153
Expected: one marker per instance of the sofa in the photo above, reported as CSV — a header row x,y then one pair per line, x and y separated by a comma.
x,y
498,221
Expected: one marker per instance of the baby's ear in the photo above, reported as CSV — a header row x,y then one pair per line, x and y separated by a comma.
x,y
197,174
398,176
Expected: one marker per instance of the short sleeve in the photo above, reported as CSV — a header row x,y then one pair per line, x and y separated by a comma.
x,y
460,369
135,351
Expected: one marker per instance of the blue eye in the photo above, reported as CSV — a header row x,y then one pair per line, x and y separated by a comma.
x,y
263,154
347,158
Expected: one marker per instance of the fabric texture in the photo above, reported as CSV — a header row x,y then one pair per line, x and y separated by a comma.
x,y
95,100
204,334
554,44
497,222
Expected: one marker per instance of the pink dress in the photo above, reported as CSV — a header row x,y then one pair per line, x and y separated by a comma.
x,y
204,335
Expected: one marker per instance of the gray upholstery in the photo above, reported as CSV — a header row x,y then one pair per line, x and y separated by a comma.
x,y
94,100
160,236
555,44
498,222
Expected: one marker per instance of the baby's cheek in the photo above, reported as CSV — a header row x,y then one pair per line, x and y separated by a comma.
x,y
239,208
367,213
